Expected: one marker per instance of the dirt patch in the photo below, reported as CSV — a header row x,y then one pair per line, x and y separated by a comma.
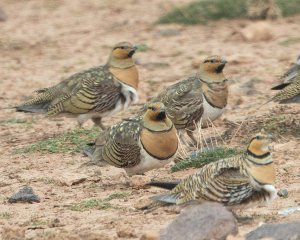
x,y
45,41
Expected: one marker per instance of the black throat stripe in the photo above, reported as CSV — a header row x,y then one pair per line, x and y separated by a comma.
x,y
259,156
162,131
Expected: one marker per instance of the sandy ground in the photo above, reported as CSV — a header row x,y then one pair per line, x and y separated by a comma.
x,y
45,41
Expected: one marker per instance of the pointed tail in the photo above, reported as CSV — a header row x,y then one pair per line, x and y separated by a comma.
x,y
164,185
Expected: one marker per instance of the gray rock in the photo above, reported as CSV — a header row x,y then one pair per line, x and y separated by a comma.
x,y
26,194
283,193
276,231
205,221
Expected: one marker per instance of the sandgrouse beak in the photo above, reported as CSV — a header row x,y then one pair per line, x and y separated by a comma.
x,y
161,115
132,51
222,65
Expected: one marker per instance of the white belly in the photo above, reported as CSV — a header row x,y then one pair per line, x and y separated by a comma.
x,y
147,163
210,113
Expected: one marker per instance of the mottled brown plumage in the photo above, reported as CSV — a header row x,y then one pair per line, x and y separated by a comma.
x,y
94,93
203,95
246,178
139,144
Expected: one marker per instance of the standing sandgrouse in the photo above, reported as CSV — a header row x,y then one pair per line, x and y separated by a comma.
x,y
92,94
139,144
202,96
246,178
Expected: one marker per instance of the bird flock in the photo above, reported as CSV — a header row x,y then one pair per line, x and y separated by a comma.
x,y
150,140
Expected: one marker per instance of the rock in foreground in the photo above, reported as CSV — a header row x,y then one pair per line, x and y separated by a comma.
x,y
205,221
278,231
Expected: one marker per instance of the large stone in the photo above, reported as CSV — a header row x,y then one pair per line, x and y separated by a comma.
x,y
205,221
278,231
26,194
69,179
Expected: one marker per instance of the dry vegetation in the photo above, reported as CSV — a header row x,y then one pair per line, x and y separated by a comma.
x,y
45,41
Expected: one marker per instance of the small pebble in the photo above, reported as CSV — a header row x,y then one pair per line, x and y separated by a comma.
x,y
283,193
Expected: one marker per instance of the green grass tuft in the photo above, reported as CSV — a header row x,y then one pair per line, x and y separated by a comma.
x,y
201,11
5,215
289,41
199,159
92,204
289,7
117,195
278,123
143,48
282,125
100,204
39,222
72,141
20,121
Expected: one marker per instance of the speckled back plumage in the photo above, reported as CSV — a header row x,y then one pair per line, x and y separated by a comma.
x,y
95,90
290,93
121,148
183,101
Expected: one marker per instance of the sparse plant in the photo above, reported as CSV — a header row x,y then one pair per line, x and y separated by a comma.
x,y
99,204
20,121
5,215
202,11
39,222
199,159
72,141
278,123
142,47
117,195
92,204
206,150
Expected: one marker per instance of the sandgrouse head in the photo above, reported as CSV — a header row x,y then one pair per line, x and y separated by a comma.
x,y
123,50
155,117
156,111
259,144
214,64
